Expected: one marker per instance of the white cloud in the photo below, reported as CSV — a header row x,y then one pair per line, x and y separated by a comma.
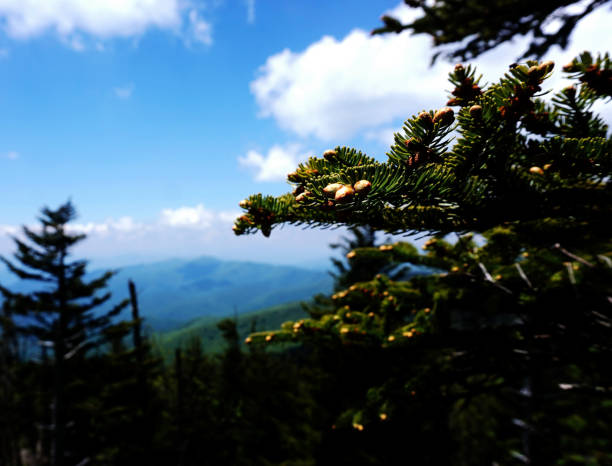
x,y
360,84
336,88
201,30
192,217
276,164
8,230
384,136
182,218
250,4
404,13
125,224
124,92
76,43
101,19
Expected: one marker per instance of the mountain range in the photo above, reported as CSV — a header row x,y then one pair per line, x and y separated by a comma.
x,y
175,292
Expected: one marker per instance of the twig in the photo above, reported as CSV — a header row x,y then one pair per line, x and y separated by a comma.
x,y
522,274
490,279
573,256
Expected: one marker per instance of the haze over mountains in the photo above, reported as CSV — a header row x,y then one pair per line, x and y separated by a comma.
x,y
173,292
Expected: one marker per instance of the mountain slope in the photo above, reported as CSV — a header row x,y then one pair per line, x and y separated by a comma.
x,y
173,293
212,342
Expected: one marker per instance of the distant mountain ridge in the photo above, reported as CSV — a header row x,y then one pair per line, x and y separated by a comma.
x,y
174,292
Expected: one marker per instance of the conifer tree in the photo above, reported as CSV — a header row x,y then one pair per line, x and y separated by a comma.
x,y
127,409
475,26
501,356
63,314
8,393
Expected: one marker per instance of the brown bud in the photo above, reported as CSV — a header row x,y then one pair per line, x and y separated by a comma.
x,y
329,154
476,111
330,189
571,67
452,102
534,72
344,194
245,203
362,187
302,197
547,166
425,119
459,67
445,116
536,171
412,144
293,177
570,91
547,66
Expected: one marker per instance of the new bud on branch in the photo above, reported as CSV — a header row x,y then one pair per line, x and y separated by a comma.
x,y
331,189
425,119
344,194
476,111
445,116
329,154
362,187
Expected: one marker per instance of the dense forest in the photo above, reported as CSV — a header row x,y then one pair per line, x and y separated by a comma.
x,y
490,345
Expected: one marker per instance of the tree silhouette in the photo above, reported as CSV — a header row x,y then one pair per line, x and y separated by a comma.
x,y
474,27
63,314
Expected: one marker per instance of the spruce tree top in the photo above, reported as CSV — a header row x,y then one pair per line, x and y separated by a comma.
x,y
64,311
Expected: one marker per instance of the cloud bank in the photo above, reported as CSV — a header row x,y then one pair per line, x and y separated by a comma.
x,y
275,165
101,19
187,231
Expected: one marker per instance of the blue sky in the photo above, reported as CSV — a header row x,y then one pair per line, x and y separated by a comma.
x,y
156,117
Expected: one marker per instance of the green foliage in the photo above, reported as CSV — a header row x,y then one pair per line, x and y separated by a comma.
x,y
205,330
498,170
499,355
62,314
474,27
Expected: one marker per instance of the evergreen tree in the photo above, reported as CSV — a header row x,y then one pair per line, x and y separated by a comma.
x,y
502,356
126,410
8,392
64,315
476,26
